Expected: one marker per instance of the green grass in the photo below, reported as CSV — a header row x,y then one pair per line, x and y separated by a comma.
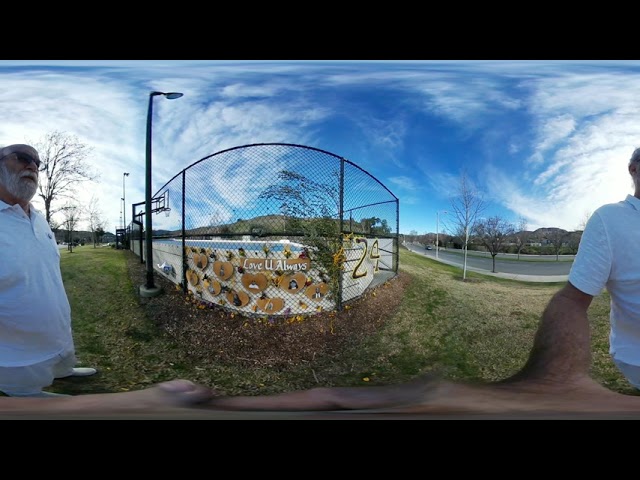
x,y
110,329
479,329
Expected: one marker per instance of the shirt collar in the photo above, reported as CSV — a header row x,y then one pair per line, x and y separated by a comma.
x,y
5,206
634,201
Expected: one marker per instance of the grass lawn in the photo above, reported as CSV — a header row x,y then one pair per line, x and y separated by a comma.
x,y
481,329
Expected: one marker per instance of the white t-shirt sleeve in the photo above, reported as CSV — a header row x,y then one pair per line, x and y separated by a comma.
x,y
592,266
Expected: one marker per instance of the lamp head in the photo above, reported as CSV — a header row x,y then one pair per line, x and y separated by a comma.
x,y
169,95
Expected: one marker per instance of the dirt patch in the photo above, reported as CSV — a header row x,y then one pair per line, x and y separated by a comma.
x,y
215,334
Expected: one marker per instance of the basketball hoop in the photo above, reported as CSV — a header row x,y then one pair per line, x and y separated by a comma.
x,y
161,203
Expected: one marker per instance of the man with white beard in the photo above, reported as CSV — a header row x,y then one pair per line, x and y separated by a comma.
x,y
36,342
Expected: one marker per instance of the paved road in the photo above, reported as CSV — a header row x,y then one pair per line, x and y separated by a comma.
x,y
544,268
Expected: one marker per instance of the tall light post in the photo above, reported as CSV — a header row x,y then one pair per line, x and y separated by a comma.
x,y
438,229
149,289
124,203
121,234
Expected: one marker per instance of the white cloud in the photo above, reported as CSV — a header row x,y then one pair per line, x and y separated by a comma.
x,y
567,154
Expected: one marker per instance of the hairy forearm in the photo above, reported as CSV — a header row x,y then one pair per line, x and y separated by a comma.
x,y
172,396
562,345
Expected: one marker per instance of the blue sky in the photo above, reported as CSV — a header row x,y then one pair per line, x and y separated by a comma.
x,y
547,141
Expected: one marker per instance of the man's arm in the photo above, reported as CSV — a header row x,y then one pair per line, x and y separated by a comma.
x,y
562,345
167,397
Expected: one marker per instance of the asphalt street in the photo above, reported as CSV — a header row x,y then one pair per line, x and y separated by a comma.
x,y
531,268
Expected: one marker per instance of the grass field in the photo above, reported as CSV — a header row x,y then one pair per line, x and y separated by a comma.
x,y
481,329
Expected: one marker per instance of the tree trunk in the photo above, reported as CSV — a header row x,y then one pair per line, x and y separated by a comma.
x,y
464,269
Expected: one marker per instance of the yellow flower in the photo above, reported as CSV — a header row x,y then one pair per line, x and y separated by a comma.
x,y
339,257
365,379
348,238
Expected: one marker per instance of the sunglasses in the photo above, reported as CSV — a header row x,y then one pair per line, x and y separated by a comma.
x,y
27,159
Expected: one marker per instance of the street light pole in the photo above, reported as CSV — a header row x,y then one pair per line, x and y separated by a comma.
x,y
124,207
438,229
149,289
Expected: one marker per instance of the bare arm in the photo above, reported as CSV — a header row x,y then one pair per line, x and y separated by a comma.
x,y
562,345
171,396
559,362
553,381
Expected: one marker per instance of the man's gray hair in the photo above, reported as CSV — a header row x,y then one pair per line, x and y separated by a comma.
x,y
635,156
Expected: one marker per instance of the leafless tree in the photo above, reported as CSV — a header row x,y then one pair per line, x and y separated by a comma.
x,y
63,166
443,240
72,214
520,235
466,206
573,240
583,221
557,238
312,206
427,239
302,197
95,219
216,220
493,233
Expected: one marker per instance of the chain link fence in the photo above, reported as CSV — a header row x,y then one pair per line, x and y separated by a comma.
x,y
273,229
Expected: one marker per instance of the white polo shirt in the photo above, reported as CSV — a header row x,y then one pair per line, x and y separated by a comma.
x,y
608,257
35,316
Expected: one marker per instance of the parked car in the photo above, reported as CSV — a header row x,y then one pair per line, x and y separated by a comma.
x,y
429,247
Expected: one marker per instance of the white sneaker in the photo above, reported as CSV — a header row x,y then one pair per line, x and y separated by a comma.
x,y
81,372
